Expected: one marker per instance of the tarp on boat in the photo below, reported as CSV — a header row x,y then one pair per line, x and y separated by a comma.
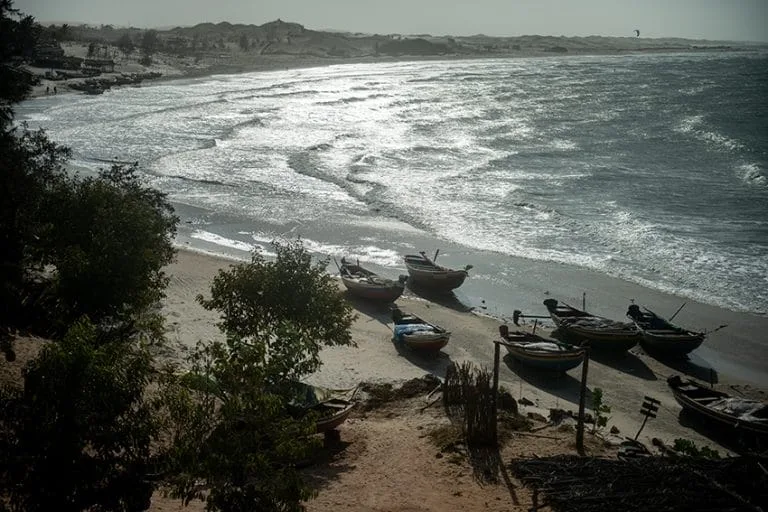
x,y
308,396
742,408
408,329
543,346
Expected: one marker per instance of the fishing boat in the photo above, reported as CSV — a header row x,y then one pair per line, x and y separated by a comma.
x,y
418,334
602,333
539,352
660,336
743,414
425,272
366,284
332,406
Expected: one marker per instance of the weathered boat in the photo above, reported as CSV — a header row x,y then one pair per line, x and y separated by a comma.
x,y
418,334
332,406
366,284
662,337
742,414
425,272
602,333
539,352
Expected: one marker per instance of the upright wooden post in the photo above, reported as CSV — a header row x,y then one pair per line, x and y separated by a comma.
x,y
582,401
495,398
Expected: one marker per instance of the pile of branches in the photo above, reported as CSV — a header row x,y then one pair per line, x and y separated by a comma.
x,y
468,396
586,484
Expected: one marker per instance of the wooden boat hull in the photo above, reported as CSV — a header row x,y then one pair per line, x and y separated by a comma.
x,y
616,340
366,284
334,420
425,273
374,292
694,397
438,280
418,334
662,337
426,344
670,345
562,361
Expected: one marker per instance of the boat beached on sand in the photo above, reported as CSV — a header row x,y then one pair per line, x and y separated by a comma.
x,y
332,406
602,333
425,272
418,334
742,414
539,352
662,337
366,284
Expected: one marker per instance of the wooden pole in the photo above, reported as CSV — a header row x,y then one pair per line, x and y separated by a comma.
x,y
496,359
582,401
641,427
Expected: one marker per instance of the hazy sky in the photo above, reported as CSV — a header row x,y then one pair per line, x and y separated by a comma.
x,y
743,20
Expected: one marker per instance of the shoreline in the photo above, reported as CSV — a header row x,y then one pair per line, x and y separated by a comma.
x,y
624,381
735,350
175,68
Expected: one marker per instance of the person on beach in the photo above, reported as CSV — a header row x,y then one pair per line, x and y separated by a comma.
x,y
47,89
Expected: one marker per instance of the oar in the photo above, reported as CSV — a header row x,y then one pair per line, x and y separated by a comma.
x,y
715,330
517,314
676,312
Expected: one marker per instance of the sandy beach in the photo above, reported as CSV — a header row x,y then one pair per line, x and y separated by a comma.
x,y
387,462
379,444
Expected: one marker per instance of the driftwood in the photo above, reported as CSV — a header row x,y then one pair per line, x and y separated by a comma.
x,y
584,484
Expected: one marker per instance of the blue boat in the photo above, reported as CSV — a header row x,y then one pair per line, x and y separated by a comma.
x,y
539,352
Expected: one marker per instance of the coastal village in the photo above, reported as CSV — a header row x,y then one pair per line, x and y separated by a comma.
x,y
453,408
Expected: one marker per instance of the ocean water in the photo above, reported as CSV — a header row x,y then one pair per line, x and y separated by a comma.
x,y
648,168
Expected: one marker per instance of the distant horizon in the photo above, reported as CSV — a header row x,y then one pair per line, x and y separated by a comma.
x,y
706,20
346,31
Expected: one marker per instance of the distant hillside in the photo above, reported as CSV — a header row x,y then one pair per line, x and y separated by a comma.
x,y
292,39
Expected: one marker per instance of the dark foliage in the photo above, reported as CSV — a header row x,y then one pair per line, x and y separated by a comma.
x,y
288,307
108,239
235,441
77,435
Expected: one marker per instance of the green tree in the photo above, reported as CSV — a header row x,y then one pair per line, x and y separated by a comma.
x,y
108,239
290,307
18,36
125,43
77,435
600,409
243,42
236,442
149,42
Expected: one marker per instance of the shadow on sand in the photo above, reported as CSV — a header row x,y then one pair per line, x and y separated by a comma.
x,y
691,365
487,467
434,363
626,362
446,299
562,385
318,470
379,311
